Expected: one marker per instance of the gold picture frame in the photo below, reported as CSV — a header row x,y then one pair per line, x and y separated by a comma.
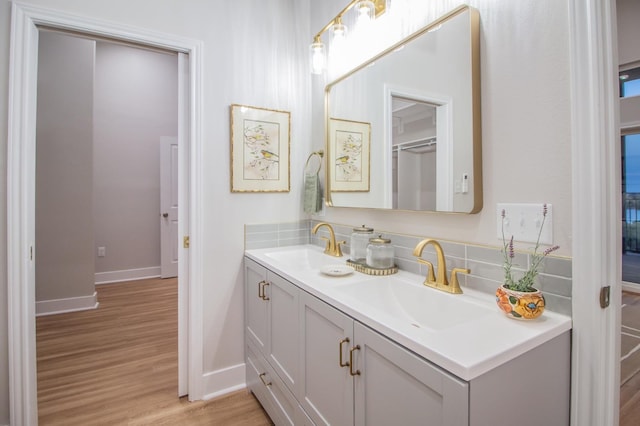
x,y
260,150
349,155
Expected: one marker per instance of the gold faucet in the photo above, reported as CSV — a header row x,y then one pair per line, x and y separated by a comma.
x,y
440,281
333,247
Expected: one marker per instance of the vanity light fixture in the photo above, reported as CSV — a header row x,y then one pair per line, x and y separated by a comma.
x,y
318,56
366,9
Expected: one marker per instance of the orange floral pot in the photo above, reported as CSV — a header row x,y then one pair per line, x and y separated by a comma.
x,y
520,304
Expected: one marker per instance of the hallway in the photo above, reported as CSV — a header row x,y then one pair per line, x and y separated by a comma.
x,y
117,365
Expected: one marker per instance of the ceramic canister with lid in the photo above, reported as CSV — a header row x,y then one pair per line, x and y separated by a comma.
x,y
359,241
380,253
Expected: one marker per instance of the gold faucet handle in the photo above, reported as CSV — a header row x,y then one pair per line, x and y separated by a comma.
x,y
327,248
338,252
431,276
455,284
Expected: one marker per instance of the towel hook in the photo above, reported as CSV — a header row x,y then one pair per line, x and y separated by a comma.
x,y
320,154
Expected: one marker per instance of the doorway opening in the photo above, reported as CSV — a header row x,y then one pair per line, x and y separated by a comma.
x,y
27,20
103,109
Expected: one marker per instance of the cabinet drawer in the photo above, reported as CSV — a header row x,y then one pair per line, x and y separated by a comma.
x,y
265,384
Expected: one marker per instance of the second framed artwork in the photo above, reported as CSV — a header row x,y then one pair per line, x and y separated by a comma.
x,y
350,144
259,149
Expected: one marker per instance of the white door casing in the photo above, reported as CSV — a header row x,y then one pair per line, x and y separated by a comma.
x,y
168,207
25,20
188,341
595,381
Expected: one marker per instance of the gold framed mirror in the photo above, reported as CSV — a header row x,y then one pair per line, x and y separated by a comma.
x,y
420,101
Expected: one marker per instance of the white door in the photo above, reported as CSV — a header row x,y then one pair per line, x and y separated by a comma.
x,y
169,206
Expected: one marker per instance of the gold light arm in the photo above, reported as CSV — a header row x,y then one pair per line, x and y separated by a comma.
x,y
380,6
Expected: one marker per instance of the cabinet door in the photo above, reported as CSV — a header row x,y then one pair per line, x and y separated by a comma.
x,y
256,305
327,388
396,387
284,329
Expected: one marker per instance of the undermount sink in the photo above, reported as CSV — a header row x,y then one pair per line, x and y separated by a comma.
x,y
302,257
420,306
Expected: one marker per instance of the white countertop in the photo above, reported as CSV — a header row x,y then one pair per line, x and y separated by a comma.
x,y
467,349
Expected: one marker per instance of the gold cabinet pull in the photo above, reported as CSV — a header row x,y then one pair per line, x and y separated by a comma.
x,y
262,379
357,372
342,342
261,285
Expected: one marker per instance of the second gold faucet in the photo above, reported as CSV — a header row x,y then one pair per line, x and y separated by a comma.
x,y
439,281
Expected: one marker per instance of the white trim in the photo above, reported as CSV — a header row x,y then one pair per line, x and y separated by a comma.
x,y
223,381
595,212
126,275
70,304
21,193
444,193
183,223
631,287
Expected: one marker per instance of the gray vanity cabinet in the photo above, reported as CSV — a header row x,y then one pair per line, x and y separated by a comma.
x,y
308,364
385,385
396,386
271,317
327,390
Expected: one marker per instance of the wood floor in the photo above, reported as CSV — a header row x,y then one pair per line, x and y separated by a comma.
x,y
630,391
117,365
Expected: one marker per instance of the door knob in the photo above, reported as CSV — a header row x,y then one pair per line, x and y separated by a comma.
x,y
165,215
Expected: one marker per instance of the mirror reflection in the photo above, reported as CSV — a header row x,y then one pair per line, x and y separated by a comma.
x,y
412,117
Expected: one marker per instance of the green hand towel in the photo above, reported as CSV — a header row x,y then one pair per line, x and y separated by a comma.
x,y
311,193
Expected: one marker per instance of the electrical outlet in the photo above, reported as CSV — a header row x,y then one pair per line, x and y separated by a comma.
x,y
523,221
102,251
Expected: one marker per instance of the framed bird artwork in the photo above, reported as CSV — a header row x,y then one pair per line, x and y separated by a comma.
x,y
259,149
349,158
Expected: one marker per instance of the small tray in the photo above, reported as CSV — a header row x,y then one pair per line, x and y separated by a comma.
x,y
338,270
366,269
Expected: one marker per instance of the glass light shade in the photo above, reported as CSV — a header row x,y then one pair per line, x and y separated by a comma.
x,y
318,57
366,10
339,30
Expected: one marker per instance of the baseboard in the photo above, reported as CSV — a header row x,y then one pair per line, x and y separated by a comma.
x,y
226,380
71,304
127,275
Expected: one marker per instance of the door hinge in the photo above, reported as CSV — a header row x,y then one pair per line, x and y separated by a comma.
x,y
30,252
605,293
185,241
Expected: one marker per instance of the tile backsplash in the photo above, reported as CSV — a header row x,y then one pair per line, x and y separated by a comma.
x,y
485,262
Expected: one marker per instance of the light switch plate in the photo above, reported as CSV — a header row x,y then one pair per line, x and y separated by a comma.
x,y
523,221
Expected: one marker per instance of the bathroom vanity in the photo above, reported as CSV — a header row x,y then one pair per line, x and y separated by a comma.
x,y
363,350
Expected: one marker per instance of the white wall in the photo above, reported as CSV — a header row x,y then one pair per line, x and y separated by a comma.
x,y
263,62
247,59
136,103
5,24
526,151
64,177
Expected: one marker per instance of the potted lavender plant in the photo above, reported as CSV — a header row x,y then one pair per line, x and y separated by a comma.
x,y
517,297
